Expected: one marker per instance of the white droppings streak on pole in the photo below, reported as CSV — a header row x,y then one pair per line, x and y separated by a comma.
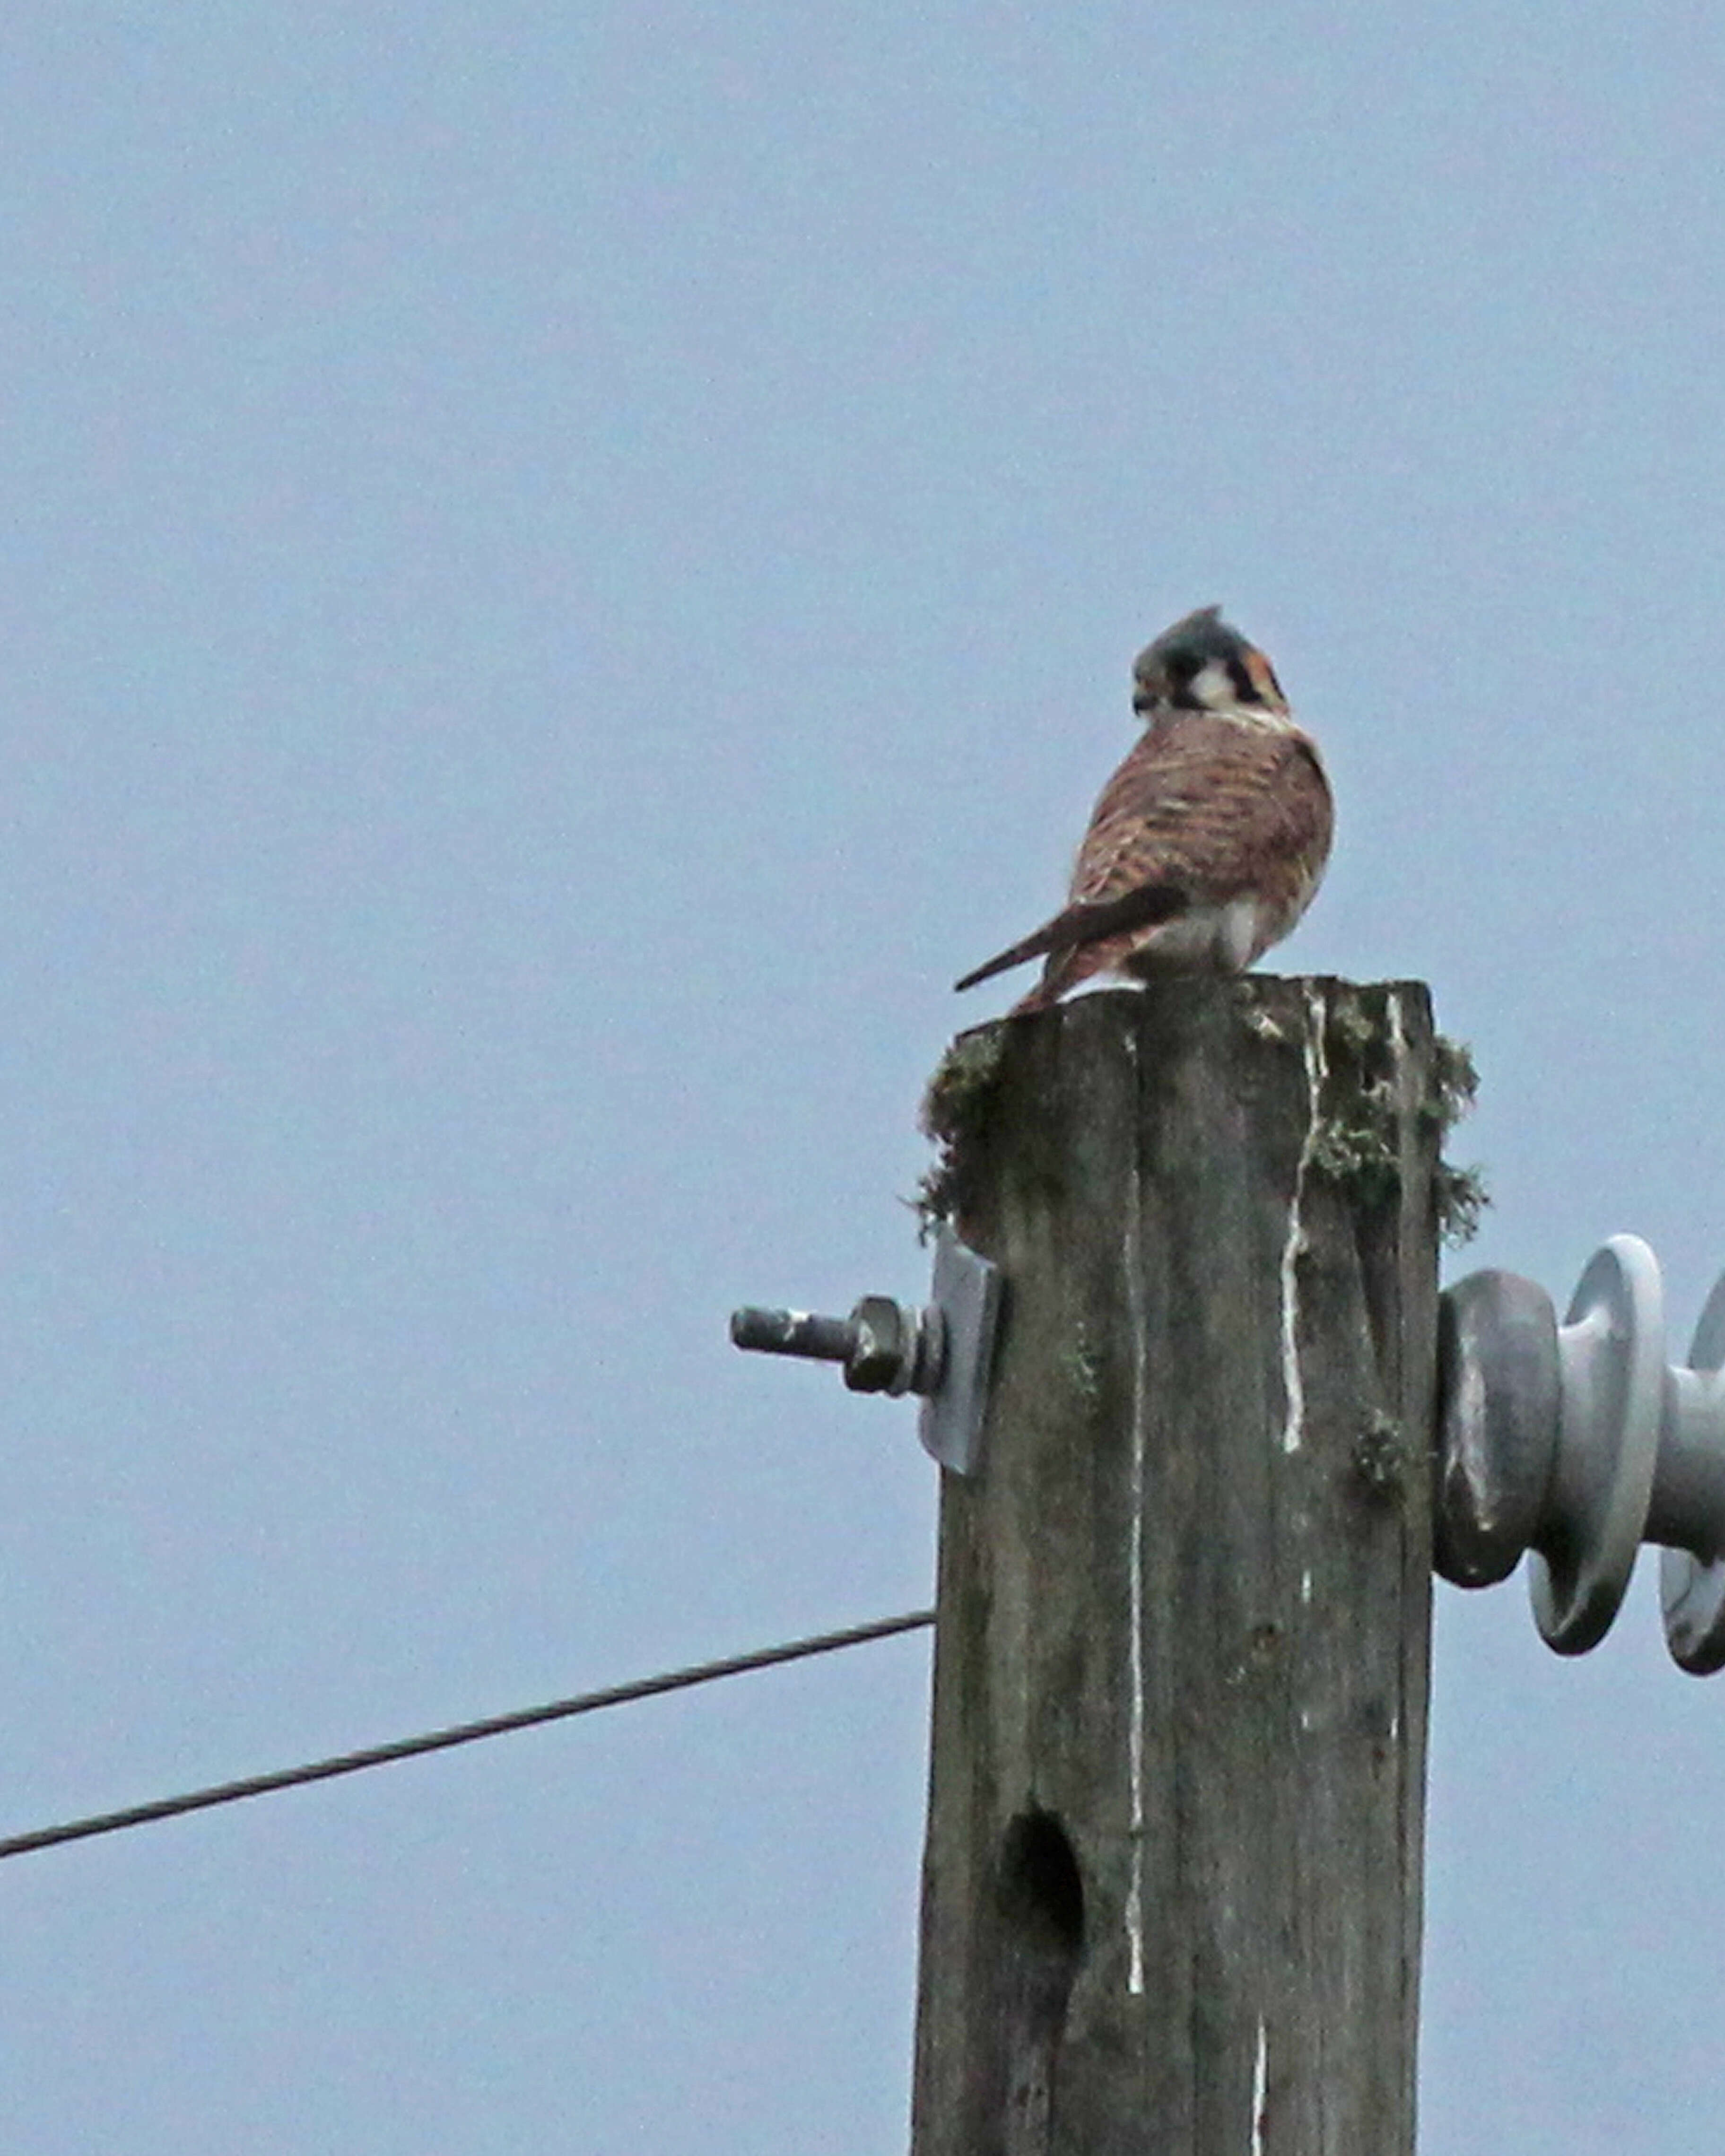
x,y
1406,1105
1293,1428
1135,1576
1260,2088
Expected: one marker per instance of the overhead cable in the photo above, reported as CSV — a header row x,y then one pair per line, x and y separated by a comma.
x,y
466,1733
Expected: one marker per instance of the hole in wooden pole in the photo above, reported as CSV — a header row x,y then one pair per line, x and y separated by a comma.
x,y
1040,1913
1041,1893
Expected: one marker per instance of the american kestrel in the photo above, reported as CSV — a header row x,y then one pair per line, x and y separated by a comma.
x,y
1206,843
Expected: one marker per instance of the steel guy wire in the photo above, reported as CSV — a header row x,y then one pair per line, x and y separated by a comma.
x,y
465,1732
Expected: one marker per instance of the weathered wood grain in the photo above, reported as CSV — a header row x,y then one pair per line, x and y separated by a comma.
x,y
1172,1889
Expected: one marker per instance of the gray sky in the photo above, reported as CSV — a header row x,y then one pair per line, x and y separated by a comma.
x,y
565,570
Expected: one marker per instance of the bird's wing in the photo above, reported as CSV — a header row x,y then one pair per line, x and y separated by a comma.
x,y
1211,807
1199,812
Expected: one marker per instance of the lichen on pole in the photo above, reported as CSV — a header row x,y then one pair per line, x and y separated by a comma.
x,y
1172,1887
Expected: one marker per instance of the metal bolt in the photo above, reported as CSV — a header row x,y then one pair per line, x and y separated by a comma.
x,y
1578,1442
794,1332
943,1351
885,1346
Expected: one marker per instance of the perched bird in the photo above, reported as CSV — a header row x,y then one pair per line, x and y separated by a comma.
x,y
1206,843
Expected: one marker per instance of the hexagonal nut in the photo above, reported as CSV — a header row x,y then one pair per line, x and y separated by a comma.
x,y
883,1339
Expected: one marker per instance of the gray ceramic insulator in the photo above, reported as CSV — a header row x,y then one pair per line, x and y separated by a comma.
x,y
1577,1443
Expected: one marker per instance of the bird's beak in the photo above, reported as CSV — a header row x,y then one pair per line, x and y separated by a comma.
x,y
1148,691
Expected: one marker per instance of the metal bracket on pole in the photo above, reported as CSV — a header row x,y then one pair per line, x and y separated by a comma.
x,y
1578,1442
943,1351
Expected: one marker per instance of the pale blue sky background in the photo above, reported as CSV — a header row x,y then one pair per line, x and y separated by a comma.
x,y
564,569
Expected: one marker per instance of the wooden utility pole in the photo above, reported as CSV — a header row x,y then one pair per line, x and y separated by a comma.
x,y
1171,1888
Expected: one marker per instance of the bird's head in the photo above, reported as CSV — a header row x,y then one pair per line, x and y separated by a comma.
x,y
1203,665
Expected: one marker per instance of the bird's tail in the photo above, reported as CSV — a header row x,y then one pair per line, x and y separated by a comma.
x,y
1087,922
1032,946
